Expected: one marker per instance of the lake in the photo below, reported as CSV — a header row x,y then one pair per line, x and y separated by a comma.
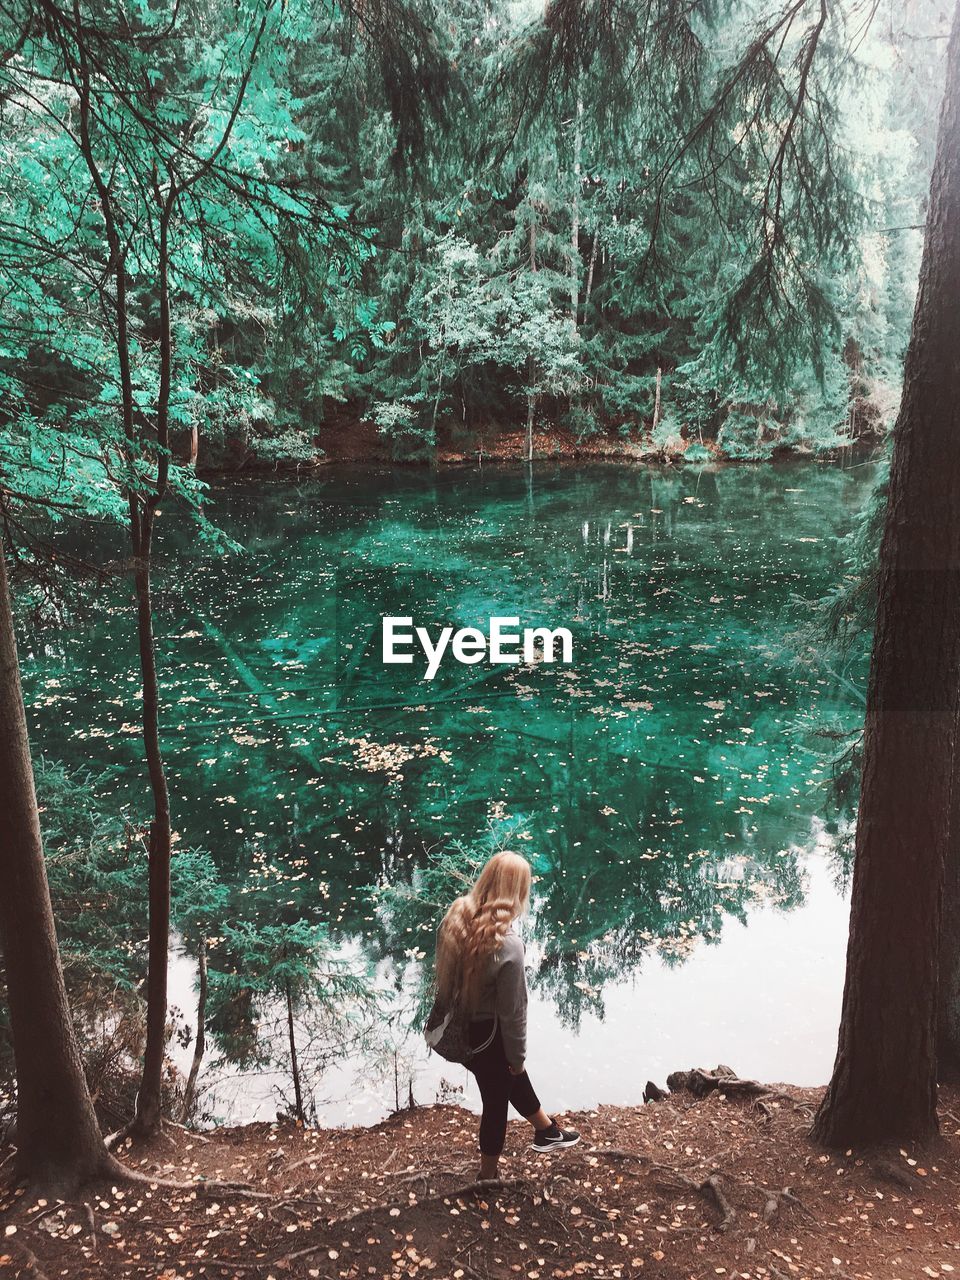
x,y
669,785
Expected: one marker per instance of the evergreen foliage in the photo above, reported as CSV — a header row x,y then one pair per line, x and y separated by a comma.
x,y
600,216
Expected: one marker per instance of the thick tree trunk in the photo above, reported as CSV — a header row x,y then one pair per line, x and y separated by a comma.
x,y
884,1080
948,1020
948,1013
59,1145
948,996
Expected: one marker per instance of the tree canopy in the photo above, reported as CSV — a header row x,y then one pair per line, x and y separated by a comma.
x,y
691,218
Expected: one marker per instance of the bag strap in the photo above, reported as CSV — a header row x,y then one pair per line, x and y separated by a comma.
x,y
490,1038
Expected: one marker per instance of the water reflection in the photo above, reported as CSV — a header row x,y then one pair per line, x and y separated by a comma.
x,y
663,785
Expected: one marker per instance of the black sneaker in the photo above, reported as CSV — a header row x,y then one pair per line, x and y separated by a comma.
x,y
554,1139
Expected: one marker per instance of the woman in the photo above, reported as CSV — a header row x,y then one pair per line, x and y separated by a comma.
x,y
480,964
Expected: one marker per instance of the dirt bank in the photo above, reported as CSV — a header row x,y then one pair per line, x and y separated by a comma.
x,y
679,1190
357,441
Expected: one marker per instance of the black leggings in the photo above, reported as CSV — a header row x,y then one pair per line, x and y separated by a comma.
x,y
498,1087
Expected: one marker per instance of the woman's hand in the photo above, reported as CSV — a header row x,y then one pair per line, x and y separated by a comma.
x,y
516,1071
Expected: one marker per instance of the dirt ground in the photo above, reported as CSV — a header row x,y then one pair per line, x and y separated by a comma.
x,y
676,1190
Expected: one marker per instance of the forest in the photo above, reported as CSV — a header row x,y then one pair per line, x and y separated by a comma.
x,y
629,326
456,227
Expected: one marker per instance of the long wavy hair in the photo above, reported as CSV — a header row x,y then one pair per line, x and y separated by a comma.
x,y
476,924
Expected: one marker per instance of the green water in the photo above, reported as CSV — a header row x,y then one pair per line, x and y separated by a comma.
x,y
667,785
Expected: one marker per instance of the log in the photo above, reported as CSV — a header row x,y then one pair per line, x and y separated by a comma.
x,y
701,1082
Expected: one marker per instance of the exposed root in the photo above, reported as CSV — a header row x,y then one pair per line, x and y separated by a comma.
x,y
91,1224
31,1265
480,1187
890,1172
203,1186
133,1131
44,1213
458,1259
672,1178
700,1082
112,1140
617,1153
593,1210
774,1199
228,1264
195,1136
299,1164
723,1204
404,1175
111,1170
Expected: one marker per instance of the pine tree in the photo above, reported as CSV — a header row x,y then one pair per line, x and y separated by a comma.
x,y
884,1081
59,1146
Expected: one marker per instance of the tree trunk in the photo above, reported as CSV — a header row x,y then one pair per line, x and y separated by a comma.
x,y
656,401
294,1061
59,1145
531,359
948,1018
884,1079
575,219
150,1094
142,513
200,1040
531,408
948,1013
590,270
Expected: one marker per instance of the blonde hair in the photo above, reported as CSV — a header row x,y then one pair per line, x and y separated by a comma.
x,y
476,924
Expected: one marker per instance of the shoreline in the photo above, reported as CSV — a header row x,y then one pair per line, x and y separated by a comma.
x,y
365,446
292,469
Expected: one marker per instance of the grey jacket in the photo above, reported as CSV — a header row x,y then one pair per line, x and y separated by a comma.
x,y
504,993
